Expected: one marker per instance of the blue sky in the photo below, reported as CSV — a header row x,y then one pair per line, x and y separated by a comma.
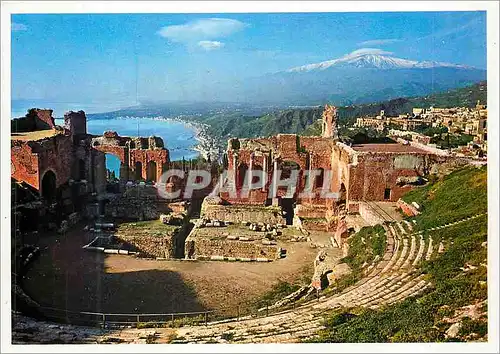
x,y
132,58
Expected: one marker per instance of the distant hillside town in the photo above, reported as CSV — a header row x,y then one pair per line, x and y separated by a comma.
x,y
434,126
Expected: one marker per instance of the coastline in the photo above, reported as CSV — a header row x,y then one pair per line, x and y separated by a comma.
x,y
206,145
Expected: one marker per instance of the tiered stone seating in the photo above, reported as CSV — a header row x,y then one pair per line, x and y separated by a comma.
x,y
412,254
388,280
283,327
420,251
391,279
404,252
395,276
430,249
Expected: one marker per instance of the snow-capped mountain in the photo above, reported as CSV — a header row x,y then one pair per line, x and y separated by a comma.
x,y
374,61
365,75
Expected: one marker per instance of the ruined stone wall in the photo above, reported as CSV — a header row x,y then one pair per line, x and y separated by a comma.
x,y
24,164
239,213
75,122
35,119
31,159
329,127
376,172
262,153
150,246
204,248
55,154
137,208
132,150
159,157
342,159
111,144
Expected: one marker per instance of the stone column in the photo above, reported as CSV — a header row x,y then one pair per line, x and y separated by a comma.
x,y
310,171
275,181
235,171
250,168
100,173
123,173
264,172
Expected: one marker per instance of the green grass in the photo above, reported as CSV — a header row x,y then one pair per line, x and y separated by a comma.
x,y
360,252
460,194
421,319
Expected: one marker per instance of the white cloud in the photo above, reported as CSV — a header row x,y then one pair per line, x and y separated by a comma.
x,y
16,27
363,51
380,42
203,29
210,45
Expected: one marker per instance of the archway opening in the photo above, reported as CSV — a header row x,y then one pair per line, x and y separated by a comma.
x,y
320,178
342,194
151,171
82,171
287,167
49,186
112,167
242,171
258,177
138,170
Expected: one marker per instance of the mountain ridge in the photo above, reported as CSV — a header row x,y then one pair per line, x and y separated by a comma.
x,y
375,61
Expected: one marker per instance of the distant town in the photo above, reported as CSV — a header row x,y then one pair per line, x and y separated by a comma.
x,y
432,128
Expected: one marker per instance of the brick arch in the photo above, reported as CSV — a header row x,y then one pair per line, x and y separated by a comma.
x,y
118,151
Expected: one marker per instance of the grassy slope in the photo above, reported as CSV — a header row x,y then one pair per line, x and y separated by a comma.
x,y
461,194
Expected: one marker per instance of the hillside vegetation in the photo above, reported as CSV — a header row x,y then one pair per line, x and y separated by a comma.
x,y
458,275
288,121
456,196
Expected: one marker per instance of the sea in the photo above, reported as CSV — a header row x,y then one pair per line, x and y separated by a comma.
x,y
179,138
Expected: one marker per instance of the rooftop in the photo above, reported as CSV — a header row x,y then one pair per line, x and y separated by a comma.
x,y
34,135
394,148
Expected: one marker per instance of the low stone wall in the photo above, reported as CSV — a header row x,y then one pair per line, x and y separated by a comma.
x,y
136,208
153,240
310,211
204,248
150,246
315,224
238,213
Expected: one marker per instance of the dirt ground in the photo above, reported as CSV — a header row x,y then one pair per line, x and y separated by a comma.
x,y
68,277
